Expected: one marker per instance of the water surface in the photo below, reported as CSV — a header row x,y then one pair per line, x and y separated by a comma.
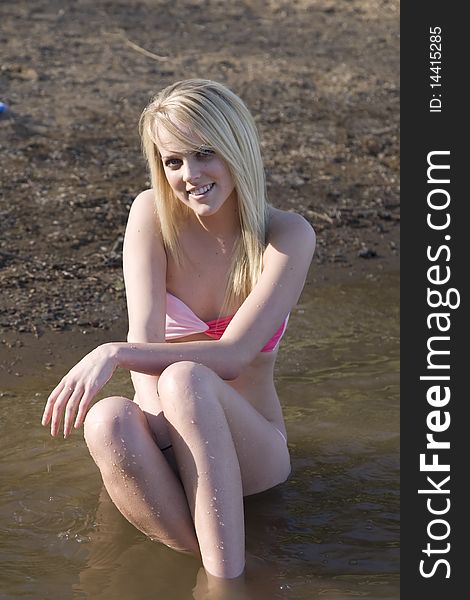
x,y
330,532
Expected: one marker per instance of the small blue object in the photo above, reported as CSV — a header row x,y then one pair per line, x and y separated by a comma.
x,y
3,107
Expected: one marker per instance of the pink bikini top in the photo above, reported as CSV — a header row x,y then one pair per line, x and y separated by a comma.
x,y
181,321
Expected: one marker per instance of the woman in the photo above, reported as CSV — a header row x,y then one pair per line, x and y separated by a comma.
x,y
211,274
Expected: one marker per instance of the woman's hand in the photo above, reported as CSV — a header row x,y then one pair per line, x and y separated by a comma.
x,y
78,388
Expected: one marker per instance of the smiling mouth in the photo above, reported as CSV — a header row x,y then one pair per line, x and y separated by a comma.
x,y
201,191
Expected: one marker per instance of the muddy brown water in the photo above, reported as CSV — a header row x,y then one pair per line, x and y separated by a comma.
x,y
330,532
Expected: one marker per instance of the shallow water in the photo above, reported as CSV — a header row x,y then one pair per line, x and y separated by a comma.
x,y
331,532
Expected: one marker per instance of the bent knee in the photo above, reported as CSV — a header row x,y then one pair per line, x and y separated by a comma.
x,y
105,418
186,390
182,376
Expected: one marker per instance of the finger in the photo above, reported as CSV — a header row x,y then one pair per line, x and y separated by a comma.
x,y
83,407
58,409
71,409
46,415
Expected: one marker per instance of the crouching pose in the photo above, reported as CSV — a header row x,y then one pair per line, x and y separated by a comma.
x,y
211,272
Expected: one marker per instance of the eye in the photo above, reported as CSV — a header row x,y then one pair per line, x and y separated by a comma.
x,y
172,162
204,153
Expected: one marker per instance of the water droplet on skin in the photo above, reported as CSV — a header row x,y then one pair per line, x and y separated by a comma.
x,y
214,497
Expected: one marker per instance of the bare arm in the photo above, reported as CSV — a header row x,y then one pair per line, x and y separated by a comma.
x,y
286,261
145,273
144,263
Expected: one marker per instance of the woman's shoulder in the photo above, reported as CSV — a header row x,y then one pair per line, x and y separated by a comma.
x,y
284,224
144,201
143,209
143,217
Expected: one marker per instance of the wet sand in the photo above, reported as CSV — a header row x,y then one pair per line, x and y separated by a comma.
x,y
321,78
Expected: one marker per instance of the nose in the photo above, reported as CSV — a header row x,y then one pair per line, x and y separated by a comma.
x,y
191,170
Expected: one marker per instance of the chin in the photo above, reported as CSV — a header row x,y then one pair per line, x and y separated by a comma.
x,y
205,210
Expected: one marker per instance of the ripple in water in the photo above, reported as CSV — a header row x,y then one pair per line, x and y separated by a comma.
x,y
330,532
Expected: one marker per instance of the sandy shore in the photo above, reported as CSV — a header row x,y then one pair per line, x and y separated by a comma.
x,y
321,78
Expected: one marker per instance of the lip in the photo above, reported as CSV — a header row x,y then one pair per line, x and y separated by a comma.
x,y
192,190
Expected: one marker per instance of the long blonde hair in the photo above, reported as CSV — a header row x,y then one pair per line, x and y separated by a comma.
x,y
223,122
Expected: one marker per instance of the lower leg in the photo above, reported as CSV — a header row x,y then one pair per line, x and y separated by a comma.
x,y
215,588
136,475
208,466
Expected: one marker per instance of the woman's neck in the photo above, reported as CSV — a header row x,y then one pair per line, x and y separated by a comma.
x,y
224,225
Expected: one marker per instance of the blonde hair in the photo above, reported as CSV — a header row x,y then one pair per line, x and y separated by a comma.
x,y
223,122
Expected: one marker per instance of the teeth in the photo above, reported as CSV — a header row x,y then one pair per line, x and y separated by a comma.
x,y
201,190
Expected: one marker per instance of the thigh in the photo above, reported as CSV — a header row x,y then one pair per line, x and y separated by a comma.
x,y
262,452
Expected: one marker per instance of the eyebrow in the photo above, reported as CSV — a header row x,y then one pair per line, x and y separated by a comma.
x,y
169,155
173,153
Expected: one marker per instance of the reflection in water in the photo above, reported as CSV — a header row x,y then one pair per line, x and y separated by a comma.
x,y
330,532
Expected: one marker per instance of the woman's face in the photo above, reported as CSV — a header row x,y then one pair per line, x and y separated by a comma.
x,y
200,179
